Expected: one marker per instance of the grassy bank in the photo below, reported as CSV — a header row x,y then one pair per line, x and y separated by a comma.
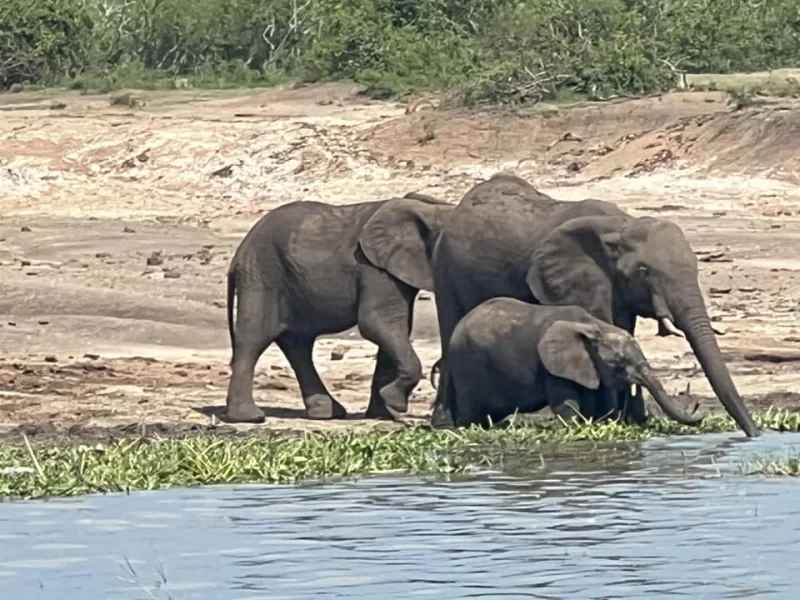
x,y
28,470
483,51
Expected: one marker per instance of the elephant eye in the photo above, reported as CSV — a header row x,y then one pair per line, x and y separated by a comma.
x,y
643,270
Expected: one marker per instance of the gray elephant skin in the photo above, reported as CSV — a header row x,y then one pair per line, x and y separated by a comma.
x,y
508,355
506,238
308,269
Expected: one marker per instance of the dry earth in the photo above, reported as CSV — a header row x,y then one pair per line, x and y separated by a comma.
x,y
94,336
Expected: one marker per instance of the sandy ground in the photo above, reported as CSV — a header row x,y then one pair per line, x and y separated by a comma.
x,y
117,224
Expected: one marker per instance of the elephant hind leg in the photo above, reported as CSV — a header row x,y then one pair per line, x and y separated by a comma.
x,y
257,326
449,312
384,317
318,401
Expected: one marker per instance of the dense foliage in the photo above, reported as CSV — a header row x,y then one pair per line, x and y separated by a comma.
x,y
496,50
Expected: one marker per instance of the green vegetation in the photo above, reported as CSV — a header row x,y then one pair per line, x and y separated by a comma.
x,y
29,471
771,466
498,51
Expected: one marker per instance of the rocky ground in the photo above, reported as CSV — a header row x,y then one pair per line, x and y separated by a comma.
x,y
118,219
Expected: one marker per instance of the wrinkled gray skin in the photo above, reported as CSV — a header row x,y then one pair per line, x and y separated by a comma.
x,y
508,355
505,238
307,269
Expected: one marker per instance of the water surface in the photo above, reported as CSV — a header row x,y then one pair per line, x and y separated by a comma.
x,y
669,518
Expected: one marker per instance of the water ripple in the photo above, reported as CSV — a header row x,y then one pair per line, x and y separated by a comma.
x,y
667,518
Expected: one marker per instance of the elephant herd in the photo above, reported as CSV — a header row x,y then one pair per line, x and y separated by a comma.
x,y
536,300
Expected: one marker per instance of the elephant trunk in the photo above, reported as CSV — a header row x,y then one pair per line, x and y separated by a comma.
x,y
645,377
696,325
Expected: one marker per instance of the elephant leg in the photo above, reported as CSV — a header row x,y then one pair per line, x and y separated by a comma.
x,y
384,317
627,407
318,401
634,409
256,328
385,373
592,405
449,312
565,399
613,404
567,409
602,405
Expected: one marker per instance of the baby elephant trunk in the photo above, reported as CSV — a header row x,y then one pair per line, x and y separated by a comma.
x,y
645,377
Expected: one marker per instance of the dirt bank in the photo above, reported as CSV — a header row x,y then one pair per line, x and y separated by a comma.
x,y
118,223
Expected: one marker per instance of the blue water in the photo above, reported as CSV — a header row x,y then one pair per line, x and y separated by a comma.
x,y
670,518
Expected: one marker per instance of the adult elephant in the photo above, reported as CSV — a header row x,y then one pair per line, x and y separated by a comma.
x,y
308,269
506,238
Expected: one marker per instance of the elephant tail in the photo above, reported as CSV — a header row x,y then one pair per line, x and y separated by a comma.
x,y
231,299
434,370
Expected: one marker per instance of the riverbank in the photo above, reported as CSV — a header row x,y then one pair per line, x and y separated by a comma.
x,y
118,224
32,469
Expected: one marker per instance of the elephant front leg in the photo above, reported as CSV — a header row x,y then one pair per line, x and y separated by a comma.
x,y
385,373
621,405
317,399
633,407
566,400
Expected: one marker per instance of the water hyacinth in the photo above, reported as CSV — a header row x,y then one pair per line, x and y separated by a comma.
x,y
28,471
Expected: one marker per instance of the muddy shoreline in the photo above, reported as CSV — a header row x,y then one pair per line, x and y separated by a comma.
x,y
116,228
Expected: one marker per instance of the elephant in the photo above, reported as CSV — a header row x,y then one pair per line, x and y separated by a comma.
x,y
308,269
508,355
506,238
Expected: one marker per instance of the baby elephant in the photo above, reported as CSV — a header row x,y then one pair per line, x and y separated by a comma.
x,y
507,355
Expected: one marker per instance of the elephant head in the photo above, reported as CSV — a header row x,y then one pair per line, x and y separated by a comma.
x,y
593,353
400,235
618,267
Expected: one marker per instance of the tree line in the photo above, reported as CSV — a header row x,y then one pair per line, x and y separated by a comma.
x,y
484,50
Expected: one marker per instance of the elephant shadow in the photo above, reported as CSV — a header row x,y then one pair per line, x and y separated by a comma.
x,y
270,412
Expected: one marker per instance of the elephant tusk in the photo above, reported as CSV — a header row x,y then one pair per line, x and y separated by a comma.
x,y
718,331
670,327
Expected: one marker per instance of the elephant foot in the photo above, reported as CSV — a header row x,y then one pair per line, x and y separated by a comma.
x,y
244,413
324,408
395,402
377,410
442,418
635,418
569,411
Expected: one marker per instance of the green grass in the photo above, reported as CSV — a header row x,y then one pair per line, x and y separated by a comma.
x,y
145,464
775,467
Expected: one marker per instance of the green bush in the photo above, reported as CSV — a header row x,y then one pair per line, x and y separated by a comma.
x,y
42,40
484,50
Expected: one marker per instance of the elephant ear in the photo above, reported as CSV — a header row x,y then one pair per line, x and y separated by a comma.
x,y
398,238
563,352
571,265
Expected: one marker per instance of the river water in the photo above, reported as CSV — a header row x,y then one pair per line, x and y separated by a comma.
x,y
667,518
